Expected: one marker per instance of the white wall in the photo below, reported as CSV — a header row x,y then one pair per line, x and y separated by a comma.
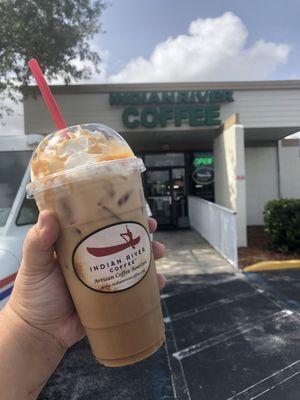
x,y
262,178
265,108
290,171
256,108
76,108
225,191
230,191
261,181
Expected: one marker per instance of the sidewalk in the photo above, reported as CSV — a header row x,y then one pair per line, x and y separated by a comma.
x,y
189,254
228,338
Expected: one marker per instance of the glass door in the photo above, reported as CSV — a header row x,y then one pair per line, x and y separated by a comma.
x,y
178,190
158,193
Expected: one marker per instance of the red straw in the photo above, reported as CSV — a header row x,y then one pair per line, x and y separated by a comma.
x,y
46,93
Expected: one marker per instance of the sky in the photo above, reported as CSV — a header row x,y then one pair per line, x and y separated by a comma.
x,y
136,27
193,40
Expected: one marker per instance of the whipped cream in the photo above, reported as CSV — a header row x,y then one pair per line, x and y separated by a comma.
x,y
77,146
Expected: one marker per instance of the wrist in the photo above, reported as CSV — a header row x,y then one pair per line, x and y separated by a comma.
x,y
26,334
25,346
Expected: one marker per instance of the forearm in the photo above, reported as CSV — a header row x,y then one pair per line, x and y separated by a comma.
x,y
28,357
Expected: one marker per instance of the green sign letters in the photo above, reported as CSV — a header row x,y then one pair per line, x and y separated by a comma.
x,y
198,161
153,109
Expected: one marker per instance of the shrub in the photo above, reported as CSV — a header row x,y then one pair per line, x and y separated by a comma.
x,y
282,224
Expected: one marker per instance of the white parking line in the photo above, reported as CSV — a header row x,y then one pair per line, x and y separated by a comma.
x,y
272,387
211,305
196,348
179,383
245,393
201,287
171,371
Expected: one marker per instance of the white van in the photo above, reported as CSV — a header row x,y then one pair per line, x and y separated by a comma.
x,y
17,214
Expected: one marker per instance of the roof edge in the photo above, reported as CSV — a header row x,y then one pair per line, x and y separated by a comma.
x,y
174,86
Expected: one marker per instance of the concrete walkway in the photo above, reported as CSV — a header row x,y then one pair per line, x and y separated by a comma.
x,y
189,254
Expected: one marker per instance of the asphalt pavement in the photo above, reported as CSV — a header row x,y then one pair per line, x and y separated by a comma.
x,y
229,336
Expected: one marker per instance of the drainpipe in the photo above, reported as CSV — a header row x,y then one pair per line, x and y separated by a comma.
x,y
279,164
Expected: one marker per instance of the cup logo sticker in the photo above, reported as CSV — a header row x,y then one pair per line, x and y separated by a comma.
x,y
114,258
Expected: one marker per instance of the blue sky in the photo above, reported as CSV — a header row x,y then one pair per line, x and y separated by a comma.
x,y
194,40
135,27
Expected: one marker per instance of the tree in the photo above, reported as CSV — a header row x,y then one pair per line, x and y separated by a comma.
x,y
56,32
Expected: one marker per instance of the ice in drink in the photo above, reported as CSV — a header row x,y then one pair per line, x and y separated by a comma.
x,y
89,177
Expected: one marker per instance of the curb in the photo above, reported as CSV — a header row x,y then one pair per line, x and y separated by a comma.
x,y
273,266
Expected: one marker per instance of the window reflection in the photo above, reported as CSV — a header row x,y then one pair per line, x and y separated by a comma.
x,y
164,160
13,166
28,213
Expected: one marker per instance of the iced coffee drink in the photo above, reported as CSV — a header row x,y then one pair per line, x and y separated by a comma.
x,y
89,177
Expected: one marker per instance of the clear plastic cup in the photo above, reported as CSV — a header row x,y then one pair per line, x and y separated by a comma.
x,y
104,247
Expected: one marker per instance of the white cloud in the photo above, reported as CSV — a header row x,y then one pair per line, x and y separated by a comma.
x,y
212,50
12,124
100,77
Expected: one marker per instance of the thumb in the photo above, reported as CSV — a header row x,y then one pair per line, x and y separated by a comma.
x,y
38,249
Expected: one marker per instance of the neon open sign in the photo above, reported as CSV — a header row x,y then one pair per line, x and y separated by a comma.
x,y
203,161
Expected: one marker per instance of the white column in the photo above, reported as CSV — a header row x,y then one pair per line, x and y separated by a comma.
x,y
230,182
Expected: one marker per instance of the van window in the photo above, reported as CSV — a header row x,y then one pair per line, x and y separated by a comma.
x,y
12,168
28,213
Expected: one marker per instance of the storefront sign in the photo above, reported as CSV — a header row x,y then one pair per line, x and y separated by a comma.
x,y
203,161
203,175
153,109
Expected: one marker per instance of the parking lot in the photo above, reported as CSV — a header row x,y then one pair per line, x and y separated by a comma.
x,y
229,336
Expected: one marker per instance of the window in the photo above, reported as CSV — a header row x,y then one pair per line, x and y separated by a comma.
x,y
165,160
201,173
28,213
12,168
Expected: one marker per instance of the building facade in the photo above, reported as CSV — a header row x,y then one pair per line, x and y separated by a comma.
x,y
221,142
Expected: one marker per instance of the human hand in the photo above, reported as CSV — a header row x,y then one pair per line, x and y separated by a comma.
x,y
40,296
